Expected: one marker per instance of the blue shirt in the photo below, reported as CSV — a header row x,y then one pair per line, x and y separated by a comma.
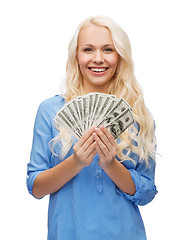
x,y
90,206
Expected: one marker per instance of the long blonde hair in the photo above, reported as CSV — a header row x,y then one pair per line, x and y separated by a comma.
x,y
140,139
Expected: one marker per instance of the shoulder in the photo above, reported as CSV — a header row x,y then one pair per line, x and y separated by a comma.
x,y
49,108
52,104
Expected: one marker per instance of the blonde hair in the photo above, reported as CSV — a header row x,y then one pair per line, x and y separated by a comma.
x,y
141,138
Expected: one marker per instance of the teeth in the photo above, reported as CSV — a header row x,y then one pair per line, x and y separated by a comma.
x,y
98,69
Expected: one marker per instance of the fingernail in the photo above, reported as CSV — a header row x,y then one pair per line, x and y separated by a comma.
x,y
92,128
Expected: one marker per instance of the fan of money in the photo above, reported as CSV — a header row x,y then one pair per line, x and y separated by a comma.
x,y
95,109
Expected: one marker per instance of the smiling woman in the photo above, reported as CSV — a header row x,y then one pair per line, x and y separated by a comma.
x,y
95,183
97,58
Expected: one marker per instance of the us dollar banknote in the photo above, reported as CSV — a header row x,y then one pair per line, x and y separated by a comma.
x,y
95,109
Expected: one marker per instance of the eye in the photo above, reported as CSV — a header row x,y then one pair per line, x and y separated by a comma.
x,y
87,50
108,50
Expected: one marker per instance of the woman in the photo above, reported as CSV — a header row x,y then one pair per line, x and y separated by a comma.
x,y
95,183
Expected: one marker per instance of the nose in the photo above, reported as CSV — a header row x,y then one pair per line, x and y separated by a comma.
x,y
98,57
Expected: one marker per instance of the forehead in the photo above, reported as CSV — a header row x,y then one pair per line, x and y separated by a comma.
x,y
95,36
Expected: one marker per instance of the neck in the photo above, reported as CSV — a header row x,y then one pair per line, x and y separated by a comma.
x,y
88,89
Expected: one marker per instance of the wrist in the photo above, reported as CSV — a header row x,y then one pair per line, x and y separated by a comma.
x,y
108,165
78,166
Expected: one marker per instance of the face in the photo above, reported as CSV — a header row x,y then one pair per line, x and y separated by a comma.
x,y
97,58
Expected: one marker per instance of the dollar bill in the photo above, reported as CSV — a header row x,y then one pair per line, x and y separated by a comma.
x,y
80,110
107,105
115,109
60,119
90,107
97,109
67,114
95,101
75,106
74,116
120,123
85,105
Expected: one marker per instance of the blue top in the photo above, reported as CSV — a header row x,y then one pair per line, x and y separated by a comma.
x,y
90,206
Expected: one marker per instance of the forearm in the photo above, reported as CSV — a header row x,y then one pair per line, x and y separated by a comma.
x,y
106,147
120,176
51,180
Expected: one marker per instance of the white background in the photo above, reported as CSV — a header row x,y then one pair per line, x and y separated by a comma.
x,y
33,51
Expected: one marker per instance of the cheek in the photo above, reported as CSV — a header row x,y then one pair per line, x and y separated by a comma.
x,y
83,60
113,60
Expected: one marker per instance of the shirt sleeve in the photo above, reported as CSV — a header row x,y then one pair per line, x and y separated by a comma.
x,y
143,178
40,152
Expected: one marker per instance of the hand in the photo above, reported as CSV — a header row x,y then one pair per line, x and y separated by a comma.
x,y
105,145
84,149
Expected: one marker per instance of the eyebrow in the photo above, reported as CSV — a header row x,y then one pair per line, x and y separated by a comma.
x,y
90,45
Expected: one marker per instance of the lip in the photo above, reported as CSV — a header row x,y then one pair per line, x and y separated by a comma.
x,y
98,73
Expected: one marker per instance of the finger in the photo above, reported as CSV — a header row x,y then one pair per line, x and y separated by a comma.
x,y
108,135
85,136
98,150
103,138
92,154
83,147
101,145
90,149
86,145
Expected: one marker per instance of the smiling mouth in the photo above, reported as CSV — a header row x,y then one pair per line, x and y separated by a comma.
x,y
98,70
